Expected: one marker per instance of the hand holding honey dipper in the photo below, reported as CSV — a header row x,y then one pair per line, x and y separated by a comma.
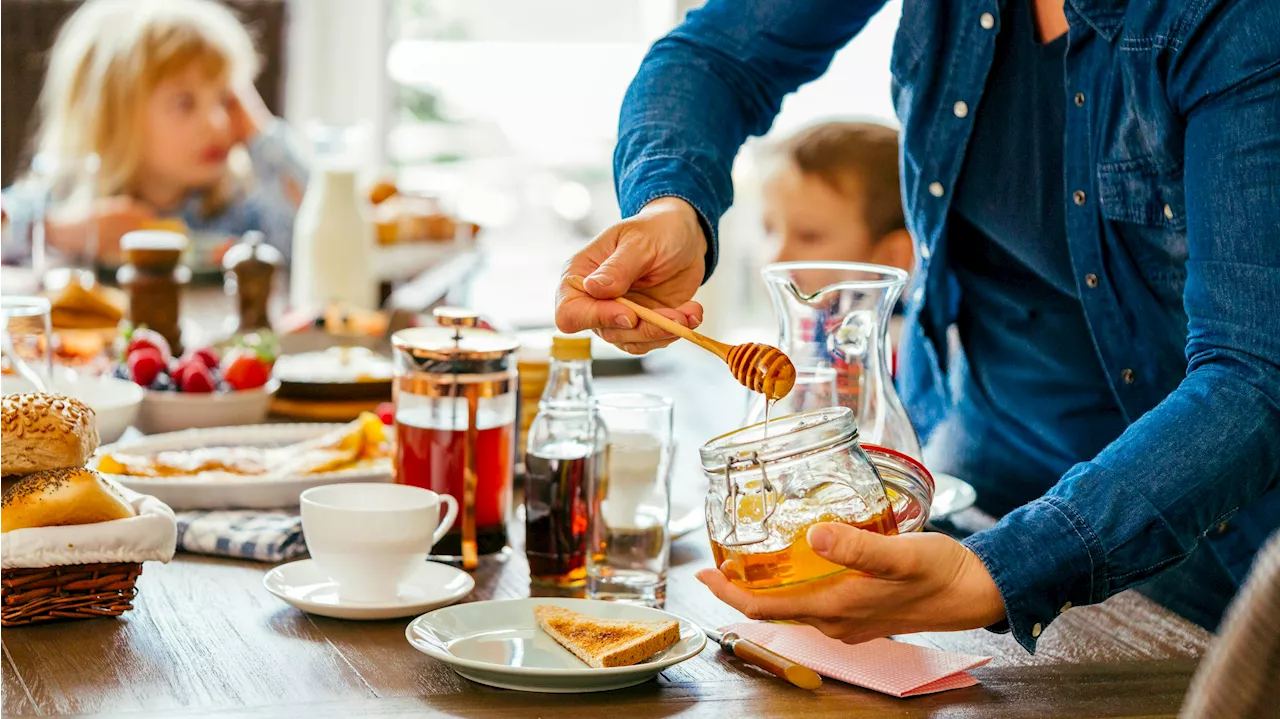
x,y
918,582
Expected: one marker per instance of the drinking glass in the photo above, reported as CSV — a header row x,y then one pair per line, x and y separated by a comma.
x,y
67,238
630,544
27,339
815,388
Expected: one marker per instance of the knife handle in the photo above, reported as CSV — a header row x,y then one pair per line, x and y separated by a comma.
x,y
776,664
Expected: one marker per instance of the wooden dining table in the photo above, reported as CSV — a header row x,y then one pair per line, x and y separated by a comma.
x,y
205,639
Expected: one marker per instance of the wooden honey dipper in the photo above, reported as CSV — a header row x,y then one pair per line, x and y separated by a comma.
x,y
760,368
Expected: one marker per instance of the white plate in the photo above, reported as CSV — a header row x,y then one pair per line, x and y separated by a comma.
x,y
950,495
303,585
242,493
498,643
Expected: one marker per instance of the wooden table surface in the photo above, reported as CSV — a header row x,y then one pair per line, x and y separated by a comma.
x,y
206,640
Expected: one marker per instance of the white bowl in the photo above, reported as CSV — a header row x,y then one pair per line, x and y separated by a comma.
x,y
173,411
115,401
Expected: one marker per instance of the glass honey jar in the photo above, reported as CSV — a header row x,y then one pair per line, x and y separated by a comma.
x,y
769,482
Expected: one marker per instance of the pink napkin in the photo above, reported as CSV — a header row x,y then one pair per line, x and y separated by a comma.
x,y
894,668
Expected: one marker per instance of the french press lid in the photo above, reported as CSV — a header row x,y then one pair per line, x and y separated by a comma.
x,y
456,346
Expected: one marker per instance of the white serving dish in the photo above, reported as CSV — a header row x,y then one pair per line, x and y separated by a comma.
x,y
174,411
234,492
115,402
498,643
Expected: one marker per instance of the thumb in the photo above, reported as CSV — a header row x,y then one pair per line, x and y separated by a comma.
x,y
614,276
868,552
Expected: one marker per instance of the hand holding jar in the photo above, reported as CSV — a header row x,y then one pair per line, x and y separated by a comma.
x,y
900,584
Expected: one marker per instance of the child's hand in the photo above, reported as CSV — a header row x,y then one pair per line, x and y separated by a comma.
x,y
247,113
112,217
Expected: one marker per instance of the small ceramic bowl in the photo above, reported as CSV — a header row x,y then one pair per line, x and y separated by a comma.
x,y
115,402
173,411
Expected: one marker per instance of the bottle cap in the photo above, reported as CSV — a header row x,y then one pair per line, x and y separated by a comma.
x,y
569,347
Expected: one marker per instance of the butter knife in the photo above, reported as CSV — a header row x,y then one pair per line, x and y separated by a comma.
x,y
775,664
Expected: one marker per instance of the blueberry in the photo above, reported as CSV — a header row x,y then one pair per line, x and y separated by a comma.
x,y
121,372
163,383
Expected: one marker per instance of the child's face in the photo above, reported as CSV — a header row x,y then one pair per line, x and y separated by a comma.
x,y
812,221
188,133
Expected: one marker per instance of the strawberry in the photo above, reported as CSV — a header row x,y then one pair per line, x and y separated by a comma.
x,y
386,412
148,338
145,364
245,370
207,355
195,377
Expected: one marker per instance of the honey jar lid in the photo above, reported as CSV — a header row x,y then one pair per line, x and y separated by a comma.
x,y
570,347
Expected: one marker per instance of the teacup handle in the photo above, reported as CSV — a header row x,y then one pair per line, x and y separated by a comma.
x,y
447,523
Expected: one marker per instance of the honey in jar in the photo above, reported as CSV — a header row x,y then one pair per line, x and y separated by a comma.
x,y
767,489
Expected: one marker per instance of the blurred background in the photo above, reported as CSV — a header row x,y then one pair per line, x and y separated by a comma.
x,y
506,109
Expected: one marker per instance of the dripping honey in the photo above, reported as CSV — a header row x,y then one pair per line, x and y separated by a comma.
x,y
793,564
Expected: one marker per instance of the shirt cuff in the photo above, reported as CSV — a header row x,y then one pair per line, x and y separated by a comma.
x,y
670,176
1044,559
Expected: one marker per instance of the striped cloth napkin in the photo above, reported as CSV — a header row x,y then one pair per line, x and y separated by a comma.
x,y
242,534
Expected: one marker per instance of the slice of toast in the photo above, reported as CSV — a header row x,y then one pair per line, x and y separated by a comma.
x,y
604,643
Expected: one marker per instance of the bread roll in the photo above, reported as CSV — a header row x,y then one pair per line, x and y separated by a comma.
x,y
45,431
58,497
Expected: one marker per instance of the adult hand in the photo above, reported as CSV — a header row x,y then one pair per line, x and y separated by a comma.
x,y
247,114
902,584
656,258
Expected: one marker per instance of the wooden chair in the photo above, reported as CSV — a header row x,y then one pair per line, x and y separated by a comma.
x,y
1240,675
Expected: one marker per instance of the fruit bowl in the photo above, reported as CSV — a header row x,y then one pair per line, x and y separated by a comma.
x,y
172,411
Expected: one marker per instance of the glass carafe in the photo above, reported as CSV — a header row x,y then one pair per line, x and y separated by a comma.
x,y
836,314
455,412
766,487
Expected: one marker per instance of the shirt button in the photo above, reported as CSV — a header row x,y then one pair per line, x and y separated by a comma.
x,y
935,189
961,109
924,250
917,296
1035,629
1128,376
1078,197
1091,280
1168,212
987,21
1064,608
1079,99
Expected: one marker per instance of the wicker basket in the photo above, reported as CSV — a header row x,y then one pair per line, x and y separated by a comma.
x,y
74,591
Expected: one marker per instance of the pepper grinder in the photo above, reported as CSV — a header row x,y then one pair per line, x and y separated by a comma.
x,y
249,269
154,278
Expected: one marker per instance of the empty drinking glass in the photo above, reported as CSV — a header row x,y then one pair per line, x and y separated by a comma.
x,y
27,339
630,544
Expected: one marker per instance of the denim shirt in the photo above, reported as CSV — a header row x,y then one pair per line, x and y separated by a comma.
x,y
1172,206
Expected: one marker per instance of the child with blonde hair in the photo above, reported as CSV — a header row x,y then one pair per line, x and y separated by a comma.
x,y
161,93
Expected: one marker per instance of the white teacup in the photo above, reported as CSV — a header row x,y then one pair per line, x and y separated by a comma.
x,y
369,537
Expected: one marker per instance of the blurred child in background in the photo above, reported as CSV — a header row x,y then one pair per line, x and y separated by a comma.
x,y
161,91
833,195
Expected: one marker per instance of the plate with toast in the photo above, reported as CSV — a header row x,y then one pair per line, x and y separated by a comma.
x,y
557,646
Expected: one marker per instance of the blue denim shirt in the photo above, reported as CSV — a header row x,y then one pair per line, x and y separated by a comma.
x,y
1172,205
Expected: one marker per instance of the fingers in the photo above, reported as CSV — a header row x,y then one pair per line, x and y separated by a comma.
x,y
867,552
753,604
613,278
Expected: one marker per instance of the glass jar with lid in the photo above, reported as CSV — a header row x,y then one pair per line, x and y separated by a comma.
x,y
768,483
455,416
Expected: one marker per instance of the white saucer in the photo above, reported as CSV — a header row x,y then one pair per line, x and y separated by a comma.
x,y
950,495
304,586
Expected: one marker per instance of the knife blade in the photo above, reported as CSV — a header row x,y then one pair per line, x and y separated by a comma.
x,y
771,662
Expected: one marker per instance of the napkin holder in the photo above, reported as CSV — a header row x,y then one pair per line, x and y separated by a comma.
x,y
84,571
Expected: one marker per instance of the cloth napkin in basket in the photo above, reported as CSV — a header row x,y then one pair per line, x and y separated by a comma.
x,y
893,668
243,534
